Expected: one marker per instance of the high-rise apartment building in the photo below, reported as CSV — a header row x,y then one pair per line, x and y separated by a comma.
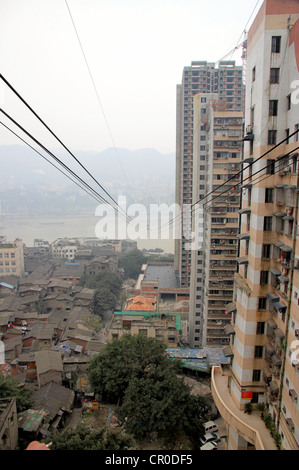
x,y
217,200
11,258
264,342
200,77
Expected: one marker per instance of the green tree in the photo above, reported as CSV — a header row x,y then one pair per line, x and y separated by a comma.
x,y
83,438
154,403
9,388
108,279
136,372
196,411
108,287
104,300
111,371
132,262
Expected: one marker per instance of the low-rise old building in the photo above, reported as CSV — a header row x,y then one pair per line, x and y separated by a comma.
x,y
11,257
165,327
49,367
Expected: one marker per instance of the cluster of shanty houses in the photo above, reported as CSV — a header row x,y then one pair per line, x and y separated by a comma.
x,y
48,335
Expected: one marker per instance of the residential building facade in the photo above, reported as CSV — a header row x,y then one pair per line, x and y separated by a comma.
x,y
11,258
200,77
216,204
264,366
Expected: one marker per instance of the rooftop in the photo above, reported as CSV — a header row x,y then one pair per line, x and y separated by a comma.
x,y
148,315
201,359
140,303
164,273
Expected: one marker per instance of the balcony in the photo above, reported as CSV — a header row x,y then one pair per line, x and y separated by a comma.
x,y
249,427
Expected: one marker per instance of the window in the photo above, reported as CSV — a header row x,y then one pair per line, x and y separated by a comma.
x,y
260,326
275,43
273,107
274,75
262,303
256,375
296,129
252,116
258,351
267,223
253,74
269,195
270,167
264,277
287,135
289,101
272,137
266,251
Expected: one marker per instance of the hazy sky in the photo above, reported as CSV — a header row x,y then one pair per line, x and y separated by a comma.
x,y
136,51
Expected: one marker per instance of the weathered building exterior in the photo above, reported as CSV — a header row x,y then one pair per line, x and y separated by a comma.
x,y
266,318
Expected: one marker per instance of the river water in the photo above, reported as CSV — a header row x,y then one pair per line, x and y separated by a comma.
x,y
50,229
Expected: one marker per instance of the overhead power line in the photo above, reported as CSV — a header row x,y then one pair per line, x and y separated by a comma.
x,y
95,88
258,179
51,163
235,175
56,158
57,138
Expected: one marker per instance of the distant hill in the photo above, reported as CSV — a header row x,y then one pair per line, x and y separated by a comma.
x,y
31,185
20,165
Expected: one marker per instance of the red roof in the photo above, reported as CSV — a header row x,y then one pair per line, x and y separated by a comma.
x,y
35,445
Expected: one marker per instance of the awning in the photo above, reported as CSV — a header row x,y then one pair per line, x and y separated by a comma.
x,y
244,211
286,248
276,360
274,386
227,351
278,244
281,186
292,187
248,160
231,307
280,214
271,323
273,297
248,137
269,349
267,373
275,272
283,279
279,306
278,333
243,236
242,260
290,217
229,330
247,186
